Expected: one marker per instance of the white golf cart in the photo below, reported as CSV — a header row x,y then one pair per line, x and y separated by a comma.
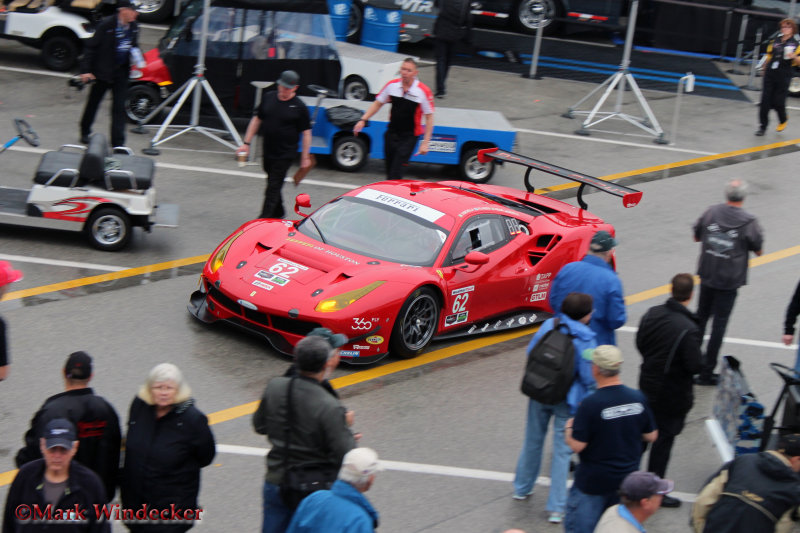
x,y
88,189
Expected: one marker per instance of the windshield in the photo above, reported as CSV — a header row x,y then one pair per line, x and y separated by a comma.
x,y
375,230
235,33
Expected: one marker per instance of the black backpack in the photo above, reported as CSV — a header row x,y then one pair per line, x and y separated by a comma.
x,y
550,369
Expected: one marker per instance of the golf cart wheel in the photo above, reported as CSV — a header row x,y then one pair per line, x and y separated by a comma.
x,y
155,10
355,88
416,324
109,229
59,52
524,18
140,102
349,153
470,169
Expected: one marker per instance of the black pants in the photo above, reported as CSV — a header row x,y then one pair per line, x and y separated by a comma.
x,y
119,90
669,427
773,96
719,304
397,150
444,51
276,170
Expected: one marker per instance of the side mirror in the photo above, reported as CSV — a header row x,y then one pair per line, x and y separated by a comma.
x,y
476,258
302,200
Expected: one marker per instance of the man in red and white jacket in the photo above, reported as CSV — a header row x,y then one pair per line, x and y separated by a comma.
x,y
411,100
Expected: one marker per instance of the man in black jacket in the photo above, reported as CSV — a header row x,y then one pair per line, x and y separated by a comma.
x,y
95,418
106,60
669,340
452,27
71,489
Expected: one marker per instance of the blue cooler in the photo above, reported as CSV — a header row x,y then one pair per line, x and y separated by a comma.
x,y
340,17
381,27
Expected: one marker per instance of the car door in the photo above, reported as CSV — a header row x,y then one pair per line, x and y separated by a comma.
x,y
474,293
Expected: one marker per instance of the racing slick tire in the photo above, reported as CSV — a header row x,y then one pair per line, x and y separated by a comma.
x,y
524,21
470,169
416,324
59,52
109,229
355,88
140,102
349,153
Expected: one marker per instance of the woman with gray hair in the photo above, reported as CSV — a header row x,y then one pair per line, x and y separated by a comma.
x,y
168,442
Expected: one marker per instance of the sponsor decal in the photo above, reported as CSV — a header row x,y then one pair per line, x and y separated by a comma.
x,y
375,339
522,320
401,204
618,411
487,208
442,143
463,290
277,280
349,353
415,6
458,318
538,296
263,285
361,324
358,347
540,286
543,275
289,263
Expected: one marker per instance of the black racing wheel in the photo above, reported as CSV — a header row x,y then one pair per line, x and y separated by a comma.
x,y
26,132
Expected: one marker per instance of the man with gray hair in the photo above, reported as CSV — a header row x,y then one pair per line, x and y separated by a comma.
x,y
343,508
728,234
303,420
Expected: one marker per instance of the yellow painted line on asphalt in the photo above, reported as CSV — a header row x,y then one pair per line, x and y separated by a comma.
x,y
676,164
101,278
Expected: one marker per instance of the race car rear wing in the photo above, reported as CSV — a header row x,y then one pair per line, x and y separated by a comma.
x,y
630,197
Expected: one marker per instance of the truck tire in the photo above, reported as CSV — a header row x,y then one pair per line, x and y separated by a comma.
x,y
349,153
155,10
59,51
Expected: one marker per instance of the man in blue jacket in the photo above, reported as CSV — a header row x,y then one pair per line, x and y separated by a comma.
x,y
595,276
344,508
576,311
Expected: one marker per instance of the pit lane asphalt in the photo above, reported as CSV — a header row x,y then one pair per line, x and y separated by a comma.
x,y
464,412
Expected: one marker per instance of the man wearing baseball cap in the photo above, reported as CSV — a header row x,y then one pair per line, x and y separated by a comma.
x,y
283,122
96,420
56,480
594,275
343,508
7,276
607,432
752,493
641,494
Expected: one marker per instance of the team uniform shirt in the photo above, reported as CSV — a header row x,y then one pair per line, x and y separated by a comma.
x,y
407,106
124,36
780,55
611,422
282,122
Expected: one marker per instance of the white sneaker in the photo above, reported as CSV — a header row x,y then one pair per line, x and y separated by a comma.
x,y
522,497
555,517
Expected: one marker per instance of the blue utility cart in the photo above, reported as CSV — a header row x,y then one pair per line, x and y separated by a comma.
x,y
458,134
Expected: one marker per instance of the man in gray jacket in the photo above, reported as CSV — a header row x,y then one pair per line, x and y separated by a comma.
x,y
318,432
728,234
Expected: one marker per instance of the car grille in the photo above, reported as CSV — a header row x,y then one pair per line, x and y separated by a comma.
x,y
286,324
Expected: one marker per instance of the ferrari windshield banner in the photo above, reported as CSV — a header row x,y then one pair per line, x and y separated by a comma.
x,y
407,206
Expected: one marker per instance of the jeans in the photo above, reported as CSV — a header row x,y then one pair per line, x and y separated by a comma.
x,y
719,304
276,515
276,170
119,91
797,359
584,510
530,457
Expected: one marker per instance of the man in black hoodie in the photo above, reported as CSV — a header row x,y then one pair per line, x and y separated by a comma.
x,y
728,234
752,493
452,26
95,419
669,341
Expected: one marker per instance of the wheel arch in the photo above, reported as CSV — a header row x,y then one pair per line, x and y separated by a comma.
x,y
61,31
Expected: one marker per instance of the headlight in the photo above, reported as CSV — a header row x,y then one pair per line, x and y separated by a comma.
x,y
219,256
337,303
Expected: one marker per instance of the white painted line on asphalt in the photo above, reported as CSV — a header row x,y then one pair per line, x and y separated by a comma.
x,y
36,71
734,340
419,468
57,262
611,141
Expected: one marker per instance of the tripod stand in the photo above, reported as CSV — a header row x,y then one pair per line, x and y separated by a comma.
x,y
195,87
618,81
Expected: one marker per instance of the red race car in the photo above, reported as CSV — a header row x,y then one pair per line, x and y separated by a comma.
x,y
396,264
